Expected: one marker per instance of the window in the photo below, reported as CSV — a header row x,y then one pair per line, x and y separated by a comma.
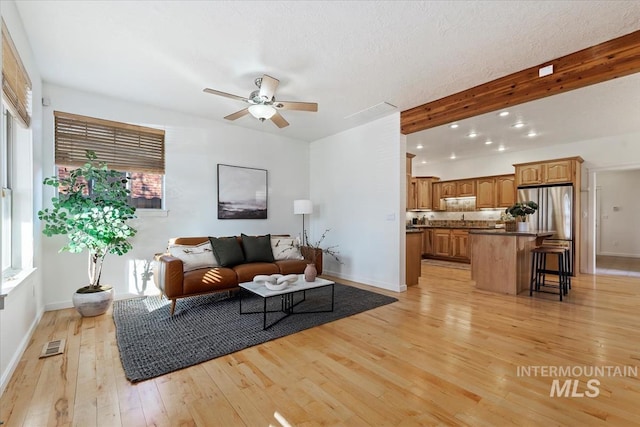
x,y
137,151
5,182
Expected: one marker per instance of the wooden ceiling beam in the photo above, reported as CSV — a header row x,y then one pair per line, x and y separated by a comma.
x,y
609,60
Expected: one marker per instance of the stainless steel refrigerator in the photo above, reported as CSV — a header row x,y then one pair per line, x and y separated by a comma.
x,y
555,212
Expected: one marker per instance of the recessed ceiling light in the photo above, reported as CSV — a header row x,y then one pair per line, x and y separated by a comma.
x,y
419,147
472,134
488,142
531,134
503,114
518,125
454,125
424,162
501,148
453,156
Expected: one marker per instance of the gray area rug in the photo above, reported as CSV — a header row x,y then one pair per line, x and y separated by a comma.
x,y
154,343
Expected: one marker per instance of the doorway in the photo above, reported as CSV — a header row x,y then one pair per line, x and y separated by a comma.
x,y
617,241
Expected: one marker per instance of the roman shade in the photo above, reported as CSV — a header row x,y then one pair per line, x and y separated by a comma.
x,y
16,85
124,147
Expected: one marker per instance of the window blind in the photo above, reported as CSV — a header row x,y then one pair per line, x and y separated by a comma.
x,y
16,85
124,147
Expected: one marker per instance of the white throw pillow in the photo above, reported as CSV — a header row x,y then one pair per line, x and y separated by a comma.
x,y
285,248
194,256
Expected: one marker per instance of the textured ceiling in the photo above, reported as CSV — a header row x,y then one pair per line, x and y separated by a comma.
x,y
345,55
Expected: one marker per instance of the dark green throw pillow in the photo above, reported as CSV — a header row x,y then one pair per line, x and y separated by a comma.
x,y
227,251
257,248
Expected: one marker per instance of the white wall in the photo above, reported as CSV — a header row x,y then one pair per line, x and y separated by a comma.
x,y
619,194
23,306
194,146
356,190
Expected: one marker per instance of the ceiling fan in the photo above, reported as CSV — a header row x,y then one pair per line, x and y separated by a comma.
x,y
263,104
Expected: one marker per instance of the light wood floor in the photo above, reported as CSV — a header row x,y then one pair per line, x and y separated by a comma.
x,y
618,266
444,354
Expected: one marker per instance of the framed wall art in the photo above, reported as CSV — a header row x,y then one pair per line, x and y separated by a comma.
x,y
242,192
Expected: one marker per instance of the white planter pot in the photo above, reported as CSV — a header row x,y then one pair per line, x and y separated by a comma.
x,y
94,303
523,226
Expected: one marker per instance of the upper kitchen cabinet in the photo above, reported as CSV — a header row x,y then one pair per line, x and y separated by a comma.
x,y
449,189
436,197
411,184
495,191
558,171
505,191
424,190
466,188
486,192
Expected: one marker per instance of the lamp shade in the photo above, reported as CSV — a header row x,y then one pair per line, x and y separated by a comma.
x,y
260,111
302,207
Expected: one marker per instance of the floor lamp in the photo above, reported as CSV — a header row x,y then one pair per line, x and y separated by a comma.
x,y
302,207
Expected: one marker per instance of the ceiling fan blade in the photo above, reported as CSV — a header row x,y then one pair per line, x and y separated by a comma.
x,y
268,87
226,95
238,114
279,120
300,106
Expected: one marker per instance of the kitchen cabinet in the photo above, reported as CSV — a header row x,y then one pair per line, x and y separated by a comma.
x,y
448,243
412,199
560,171
411,183
495,191
557,171
465,188
449,189
486,192
460,244
423,190
436,196
442,242
427,241
505,191
530,174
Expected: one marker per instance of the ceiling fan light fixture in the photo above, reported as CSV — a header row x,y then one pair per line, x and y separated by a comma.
x,y
262,112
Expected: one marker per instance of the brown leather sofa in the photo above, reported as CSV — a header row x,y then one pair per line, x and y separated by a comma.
x,y
175,283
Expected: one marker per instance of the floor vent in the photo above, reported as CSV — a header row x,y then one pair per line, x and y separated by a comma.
x,y
52,348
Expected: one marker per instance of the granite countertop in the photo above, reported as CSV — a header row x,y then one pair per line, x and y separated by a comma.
x,y
414,230
502,232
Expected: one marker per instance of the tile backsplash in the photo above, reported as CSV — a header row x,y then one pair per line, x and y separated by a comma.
x,y
484,217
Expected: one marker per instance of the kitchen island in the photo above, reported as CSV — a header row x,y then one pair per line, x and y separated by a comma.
x,y
501,260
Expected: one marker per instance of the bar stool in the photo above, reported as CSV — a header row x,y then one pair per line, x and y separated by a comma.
x,y
567,259
539,266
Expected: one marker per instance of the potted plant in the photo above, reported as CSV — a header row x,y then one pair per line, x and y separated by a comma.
x,y
520,211
91,209
310,272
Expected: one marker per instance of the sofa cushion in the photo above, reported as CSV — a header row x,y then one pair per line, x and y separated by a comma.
x,y
246,272
227,251
257,248
285,248
194,256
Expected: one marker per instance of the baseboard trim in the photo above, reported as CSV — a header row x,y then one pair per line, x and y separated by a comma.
x,y
17,355
370,282
618,254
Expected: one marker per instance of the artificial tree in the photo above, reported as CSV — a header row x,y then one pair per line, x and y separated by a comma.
x,y
92,208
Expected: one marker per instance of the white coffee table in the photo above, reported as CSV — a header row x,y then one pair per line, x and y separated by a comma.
x,y
286,295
